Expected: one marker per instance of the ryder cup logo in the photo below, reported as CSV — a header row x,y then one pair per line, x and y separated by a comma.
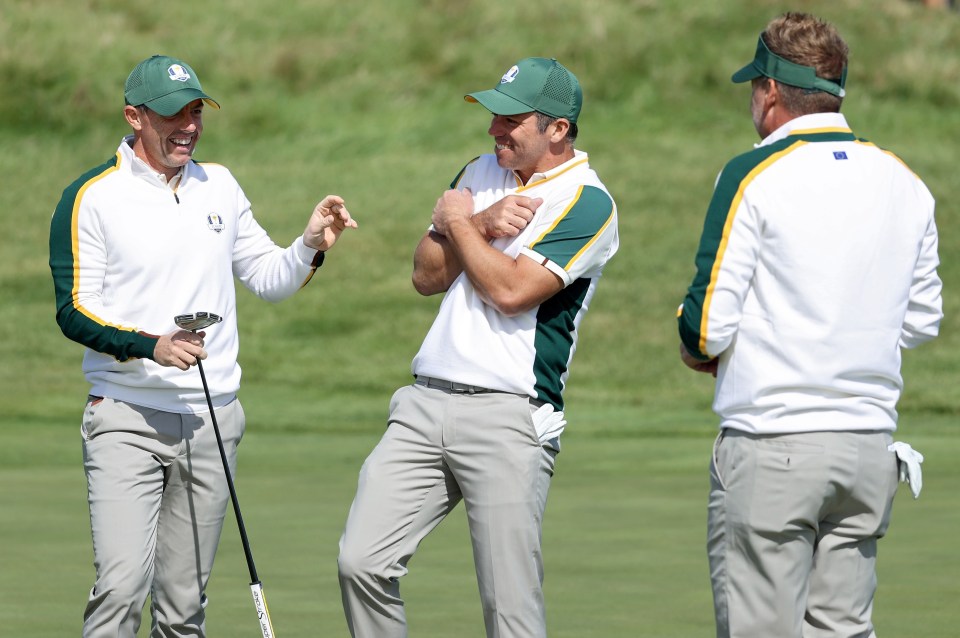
x,y
215,222
178,73
510,75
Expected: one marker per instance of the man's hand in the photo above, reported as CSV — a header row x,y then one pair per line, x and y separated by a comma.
x,y
180,348
505,218
693,363
329,219
508,216
453,205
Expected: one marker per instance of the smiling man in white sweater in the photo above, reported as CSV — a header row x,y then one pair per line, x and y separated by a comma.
x,y
817,264
146,236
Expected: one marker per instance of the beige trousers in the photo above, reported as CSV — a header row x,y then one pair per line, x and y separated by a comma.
x,y
793,523
157,495
442,447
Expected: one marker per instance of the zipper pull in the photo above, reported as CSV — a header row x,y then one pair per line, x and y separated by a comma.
x,y
175,188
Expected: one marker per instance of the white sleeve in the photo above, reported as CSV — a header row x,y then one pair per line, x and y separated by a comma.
x,y
738,262
925,307
267,270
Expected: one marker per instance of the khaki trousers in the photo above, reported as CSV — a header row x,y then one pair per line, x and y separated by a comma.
x,y
157,495
793,523
440,447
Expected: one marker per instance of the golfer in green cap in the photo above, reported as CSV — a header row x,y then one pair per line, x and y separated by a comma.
x,y
517,247
148,235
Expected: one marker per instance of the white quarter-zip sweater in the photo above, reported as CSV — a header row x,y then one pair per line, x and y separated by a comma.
x,y
128,252
817,264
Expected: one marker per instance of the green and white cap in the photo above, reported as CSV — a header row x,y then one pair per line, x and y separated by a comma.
x,y
164,85
534,84
766,63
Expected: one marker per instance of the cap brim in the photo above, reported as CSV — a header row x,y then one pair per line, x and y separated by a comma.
x,y
498,103
747,73
171,103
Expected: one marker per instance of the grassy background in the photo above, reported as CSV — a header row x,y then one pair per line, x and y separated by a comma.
x,y
363,99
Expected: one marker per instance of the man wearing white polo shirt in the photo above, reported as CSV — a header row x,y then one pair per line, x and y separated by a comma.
x,y
517,245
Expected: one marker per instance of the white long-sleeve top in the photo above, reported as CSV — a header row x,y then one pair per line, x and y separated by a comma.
x,y
817,264
129,252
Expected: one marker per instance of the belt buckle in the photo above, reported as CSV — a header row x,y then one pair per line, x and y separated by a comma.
x,y
461,388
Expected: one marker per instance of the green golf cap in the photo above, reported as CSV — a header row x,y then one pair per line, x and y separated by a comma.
x,y
766,63
164,85
534,84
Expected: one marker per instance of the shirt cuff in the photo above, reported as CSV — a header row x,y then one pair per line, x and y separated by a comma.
x,y
305,254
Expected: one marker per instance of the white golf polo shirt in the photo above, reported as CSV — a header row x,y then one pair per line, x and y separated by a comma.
x,y
574,234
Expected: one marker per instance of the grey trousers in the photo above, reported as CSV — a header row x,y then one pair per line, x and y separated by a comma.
x,y
793,523
441,447
157,495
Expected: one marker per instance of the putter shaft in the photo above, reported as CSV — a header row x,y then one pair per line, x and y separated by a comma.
x,y
259,600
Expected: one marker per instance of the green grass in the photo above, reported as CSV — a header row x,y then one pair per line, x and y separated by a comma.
x,y
364,99
623,540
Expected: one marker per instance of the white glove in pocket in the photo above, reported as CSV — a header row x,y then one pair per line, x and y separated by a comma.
x,y
908,460
548,422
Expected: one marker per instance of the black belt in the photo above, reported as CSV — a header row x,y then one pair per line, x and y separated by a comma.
x,y
451,386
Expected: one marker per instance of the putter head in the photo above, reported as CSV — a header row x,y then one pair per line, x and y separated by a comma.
x,y
197,320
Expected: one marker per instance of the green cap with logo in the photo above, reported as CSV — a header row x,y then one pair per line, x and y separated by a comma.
x,y
534,84
165,85
766,63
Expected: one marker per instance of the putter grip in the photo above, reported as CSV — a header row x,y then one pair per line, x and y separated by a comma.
x,y
263,614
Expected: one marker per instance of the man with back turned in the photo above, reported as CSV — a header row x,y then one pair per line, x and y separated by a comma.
x,y
817,265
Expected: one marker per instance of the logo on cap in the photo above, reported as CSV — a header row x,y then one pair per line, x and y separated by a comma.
x,y
178,73
510,75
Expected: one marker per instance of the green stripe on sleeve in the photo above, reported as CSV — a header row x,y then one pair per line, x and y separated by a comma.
x,y
727,194
456,180
76,322
589,213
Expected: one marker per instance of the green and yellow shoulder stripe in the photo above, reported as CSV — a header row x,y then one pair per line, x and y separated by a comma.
x,y
76,321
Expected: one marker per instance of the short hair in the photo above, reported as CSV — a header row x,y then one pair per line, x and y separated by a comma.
x,y
805,39
544,120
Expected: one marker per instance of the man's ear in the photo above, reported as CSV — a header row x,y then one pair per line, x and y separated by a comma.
x,y
561,127
132,114
772,92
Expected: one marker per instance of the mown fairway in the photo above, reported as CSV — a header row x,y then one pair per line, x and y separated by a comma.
x,y
364,100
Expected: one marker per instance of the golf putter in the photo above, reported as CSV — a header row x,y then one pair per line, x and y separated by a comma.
x,y
198,321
